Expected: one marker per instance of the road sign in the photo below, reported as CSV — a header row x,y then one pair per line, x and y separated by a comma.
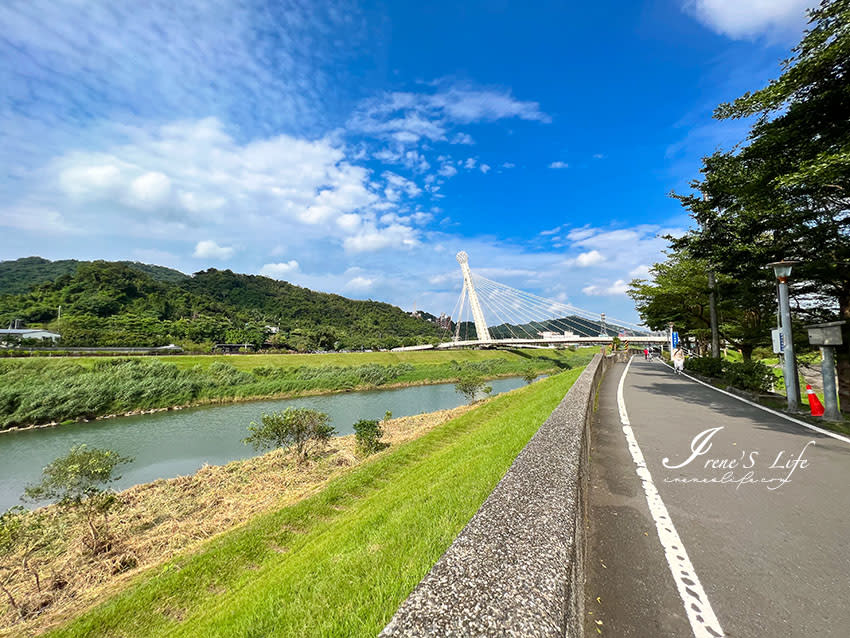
x,y
778,340
675,339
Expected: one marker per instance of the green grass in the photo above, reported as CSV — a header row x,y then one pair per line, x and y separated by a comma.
x,y
250,361
41,390
340,562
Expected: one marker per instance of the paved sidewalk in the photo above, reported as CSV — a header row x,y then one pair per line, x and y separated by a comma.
x,y
773,558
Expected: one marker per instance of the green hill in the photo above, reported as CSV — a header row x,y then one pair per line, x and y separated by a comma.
x,y
22,274
125,303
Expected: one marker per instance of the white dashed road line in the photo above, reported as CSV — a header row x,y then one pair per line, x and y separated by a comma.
x,y
700,614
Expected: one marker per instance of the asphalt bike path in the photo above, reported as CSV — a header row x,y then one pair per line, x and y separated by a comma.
x,y
709,516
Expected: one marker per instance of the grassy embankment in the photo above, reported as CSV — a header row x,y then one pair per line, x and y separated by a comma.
x,y
157,520
340,562
48,390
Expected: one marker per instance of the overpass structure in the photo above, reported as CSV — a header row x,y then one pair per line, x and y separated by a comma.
x,y
492,314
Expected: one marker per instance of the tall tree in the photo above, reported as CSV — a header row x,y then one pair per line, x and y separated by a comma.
x,y
785,194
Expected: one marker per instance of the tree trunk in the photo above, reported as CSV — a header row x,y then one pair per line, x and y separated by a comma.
x,y
747,351
843,353
12,600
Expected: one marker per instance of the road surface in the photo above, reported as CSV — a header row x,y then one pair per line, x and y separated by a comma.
x,y
746,530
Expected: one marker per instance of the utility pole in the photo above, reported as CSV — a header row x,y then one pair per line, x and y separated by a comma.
x,y
712,308
670,338
782,270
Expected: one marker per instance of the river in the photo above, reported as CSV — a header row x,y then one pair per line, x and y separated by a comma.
x,y
177,443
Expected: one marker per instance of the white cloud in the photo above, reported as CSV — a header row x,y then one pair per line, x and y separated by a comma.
x,y
402,183
192,178
470,162
639,271
407,118
598,156
551,231
589,258
150,190
747,18
79,181
508,165
462,138
619,287
209,249
38,220
372,239
360,283
484,168
279,270
559,164
447,170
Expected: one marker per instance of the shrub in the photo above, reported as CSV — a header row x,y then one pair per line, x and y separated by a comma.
x,y
300,430
471,385
368,434
749,375
708,366
77,481
529,375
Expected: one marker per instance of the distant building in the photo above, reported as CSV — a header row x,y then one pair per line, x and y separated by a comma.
x,y
27,333
548,334
444,321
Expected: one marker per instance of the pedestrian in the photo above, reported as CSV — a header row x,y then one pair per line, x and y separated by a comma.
x,y
646,354
678,360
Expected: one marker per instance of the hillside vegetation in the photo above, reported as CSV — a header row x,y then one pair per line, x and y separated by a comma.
x,y
127,304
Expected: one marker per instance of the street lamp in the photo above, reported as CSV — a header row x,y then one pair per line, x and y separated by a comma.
x,y
782,270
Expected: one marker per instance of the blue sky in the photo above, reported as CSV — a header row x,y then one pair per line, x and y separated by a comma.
x,y
355,147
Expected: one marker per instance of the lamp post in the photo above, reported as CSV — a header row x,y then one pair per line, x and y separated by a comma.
x,y
782,270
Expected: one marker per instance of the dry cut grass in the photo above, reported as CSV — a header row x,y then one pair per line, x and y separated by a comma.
x,y
159,519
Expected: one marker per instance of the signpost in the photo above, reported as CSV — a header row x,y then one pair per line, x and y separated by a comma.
x,y
778,341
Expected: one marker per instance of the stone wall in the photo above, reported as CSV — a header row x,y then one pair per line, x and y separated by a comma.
x,y
517,568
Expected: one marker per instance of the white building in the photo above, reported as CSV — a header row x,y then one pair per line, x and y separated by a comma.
x,y
27,333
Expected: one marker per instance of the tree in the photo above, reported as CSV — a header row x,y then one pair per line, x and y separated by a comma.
x,y
77,481
368,434
529,375
785,193
471,385
678,293
301,430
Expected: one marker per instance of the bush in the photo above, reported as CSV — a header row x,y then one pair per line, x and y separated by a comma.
x,y
749,375
708,366
301,430
471,385
368,435
78,482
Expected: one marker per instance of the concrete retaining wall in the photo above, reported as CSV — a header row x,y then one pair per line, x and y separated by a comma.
x,y
517,568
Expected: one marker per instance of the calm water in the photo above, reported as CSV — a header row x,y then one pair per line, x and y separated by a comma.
x,y
168,444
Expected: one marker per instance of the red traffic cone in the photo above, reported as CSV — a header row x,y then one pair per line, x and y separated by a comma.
x,y
814,403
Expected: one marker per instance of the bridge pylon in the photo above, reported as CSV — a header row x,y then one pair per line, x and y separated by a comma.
x,y
469,288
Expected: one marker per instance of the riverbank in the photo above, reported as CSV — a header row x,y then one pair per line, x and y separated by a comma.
x,y
160,519
339,562
49,392
213,401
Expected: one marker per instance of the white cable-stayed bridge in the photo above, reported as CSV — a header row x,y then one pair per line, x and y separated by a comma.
x,y
492,314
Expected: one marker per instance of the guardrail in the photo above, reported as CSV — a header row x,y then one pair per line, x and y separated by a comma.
x,y
517,568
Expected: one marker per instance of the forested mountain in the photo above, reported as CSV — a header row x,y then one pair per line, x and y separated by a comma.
x,y
20,275
123,303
